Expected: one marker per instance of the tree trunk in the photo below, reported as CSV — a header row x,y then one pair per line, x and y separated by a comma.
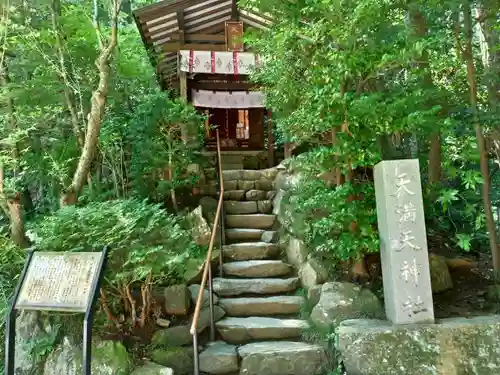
x,y
488,14
486,188
98,104
419,27
12,201
435,158
68,96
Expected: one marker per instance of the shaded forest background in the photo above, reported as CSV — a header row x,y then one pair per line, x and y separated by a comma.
x,y
90,149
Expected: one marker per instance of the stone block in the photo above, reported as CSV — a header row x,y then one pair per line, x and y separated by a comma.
x,y
341,301
312,273
219,358
195,290
314,295
440,274
246,185
282,357
177,299
456,346
296,251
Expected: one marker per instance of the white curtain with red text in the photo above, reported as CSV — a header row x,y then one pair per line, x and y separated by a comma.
x,y
218,62
227,99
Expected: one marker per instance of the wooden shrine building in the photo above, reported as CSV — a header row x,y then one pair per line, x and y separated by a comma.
x,y
198,50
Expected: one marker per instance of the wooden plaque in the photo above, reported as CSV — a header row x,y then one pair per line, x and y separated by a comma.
x,y
234,36
59,281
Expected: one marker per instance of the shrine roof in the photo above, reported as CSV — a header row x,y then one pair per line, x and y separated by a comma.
x,y
172,25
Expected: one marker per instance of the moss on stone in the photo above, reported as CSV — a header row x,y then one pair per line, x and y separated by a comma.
x,y
178,359
451,347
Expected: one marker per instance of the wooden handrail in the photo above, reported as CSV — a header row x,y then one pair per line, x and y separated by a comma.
x,y
208,261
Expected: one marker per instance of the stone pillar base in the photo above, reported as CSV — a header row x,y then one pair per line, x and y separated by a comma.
x,y
456,346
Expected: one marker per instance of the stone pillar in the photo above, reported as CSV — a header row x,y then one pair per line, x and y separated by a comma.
x,y
403,242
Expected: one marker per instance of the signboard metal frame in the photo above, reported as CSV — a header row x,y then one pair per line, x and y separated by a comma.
x,y
10,340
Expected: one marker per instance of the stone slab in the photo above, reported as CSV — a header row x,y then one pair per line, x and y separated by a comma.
x,y
241,330
250,250
403,242
282,358
235,287
244,234
257,268
456,346
219,358
239,207
253,221
262,306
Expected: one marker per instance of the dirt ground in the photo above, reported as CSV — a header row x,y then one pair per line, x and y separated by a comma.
x,y
470,289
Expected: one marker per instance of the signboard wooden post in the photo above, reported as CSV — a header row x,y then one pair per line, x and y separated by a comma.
x,y
57,281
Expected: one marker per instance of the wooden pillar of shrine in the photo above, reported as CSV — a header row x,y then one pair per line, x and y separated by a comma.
x,y
270,140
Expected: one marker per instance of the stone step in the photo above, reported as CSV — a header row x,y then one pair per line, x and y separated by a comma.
x,y
234,195
242,330
244,234
261,306
219,358
257,195
250,174
244,195
248,207
257,268
253,221
235,287
282,358
239,207
250,250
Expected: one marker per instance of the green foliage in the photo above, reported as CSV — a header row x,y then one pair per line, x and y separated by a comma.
x,y
339,75
158,147
144,238
328,218
11,263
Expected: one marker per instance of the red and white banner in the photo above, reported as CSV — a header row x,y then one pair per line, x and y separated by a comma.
x,y
218,62
226,99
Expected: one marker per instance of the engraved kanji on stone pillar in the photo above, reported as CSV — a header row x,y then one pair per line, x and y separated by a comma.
x,y
403,242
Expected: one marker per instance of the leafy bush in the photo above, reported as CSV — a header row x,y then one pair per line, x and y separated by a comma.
x,y
11,263
335,225
148,245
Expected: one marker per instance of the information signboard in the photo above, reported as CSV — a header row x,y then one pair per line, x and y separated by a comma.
x,y
60,282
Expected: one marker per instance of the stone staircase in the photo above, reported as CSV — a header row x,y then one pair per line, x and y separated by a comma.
x,y
261,331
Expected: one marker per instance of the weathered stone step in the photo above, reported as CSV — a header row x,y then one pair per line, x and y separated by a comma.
x,y
257,268
242,330
250,174
261,306
253,221
282,358
250,250
239,207
234,195
235,287
244,234
248,207
219,358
